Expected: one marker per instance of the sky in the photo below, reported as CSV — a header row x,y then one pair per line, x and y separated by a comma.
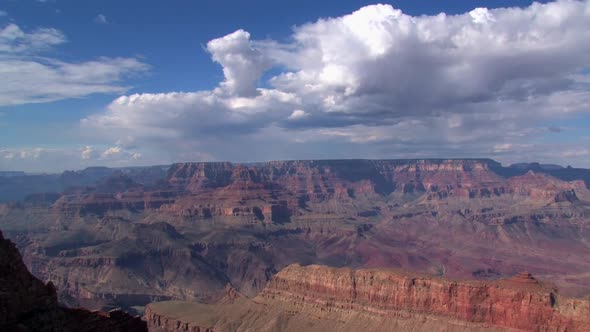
x,y
129,83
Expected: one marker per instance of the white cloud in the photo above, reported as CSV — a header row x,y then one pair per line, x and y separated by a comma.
x,y
35,159
120,154
189,116
88,153
23,154
32,153
29,78
484,82
502,147
100,19
44,80
481,15
576,153
242,63
15,40
298,114
112,151
8,155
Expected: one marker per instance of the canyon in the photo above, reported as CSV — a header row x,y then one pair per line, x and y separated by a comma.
x,y
109,238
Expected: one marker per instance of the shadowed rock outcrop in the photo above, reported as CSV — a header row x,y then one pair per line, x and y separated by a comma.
x,y
27,304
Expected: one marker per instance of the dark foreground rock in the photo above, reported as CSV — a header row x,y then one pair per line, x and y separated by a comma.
x,y
27,304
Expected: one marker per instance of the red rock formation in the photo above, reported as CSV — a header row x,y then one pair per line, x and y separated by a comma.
x,y
275,191
520,302
319,298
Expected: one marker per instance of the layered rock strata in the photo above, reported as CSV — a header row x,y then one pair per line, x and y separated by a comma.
x,y
323,298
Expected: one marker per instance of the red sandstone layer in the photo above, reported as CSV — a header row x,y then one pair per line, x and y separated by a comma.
x,y
520,302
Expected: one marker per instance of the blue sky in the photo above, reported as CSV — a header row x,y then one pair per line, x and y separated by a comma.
x,y
75,59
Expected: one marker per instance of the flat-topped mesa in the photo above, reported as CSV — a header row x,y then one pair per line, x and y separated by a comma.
x,y
520,302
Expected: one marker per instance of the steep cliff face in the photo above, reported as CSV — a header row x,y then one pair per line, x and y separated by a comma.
x,y
520,302
330,299
20,292
27,304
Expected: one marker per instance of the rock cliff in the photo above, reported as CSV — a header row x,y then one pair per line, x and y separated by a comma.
x,y
331,299
520,302
27,304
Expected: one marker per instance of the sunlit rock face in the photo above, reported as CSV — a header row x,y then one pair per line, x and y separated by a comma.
x,y
329,299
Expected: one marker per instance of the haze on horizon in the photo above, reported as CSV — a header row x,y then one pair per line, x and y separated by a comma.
x,y
89,84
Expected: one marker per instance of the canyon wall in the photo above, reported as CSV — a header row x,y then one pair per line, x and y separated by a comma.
x,y
320,298
520,302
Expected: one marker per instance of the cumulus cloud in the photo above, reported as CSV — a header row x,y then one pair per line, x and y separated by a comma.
x,y
118,153
242,63
480,83
194,115
31,78
112,151
88,152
